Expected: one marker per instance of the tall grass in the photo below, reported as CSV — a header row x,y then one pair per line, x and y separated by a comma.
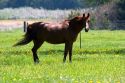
x,y
101,60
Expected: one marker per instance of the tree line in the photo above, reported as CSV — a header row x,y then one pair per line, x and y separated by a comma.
x,y
51,4
115,9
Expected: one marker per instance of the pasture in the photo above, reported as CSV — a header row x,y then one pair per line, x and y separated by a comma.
x,y
100,60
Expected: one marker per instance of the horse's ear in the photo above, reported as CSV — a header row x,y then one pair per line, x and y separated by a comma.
x,y
83,14
88,15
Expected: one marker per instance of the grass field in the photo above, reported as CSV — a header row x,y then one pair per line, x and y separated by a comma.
x,y
101,60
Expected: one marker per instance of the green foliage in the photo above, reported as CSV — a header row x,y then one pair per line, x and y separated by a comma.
x,y
51,4
92,3
47,4
116,14
121,10
3,3
101,60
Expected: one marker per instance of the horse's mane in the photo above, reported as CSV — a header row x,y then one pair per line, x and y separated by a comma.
x,y
77,18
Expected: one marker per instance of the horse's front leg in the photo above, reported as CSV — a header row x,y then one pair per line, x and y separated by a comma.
x,y
70,51
66,51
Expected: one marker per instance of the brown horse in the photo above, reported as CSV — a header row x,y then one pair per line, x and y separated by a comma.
x,y
55,33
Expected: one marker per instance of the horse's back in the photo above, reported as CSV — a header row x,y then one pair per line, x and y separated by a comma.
x,y
50,32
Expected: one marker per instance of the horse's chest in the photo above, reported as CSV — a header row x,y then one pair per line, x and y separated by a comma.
x,y
74,38
55,40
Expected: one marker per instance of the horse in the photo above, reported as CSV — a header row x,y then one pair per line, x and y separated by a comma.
x,y
55,33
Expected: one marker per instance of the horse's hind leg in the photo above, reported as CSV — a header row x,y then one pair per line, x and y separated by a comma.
x,y
37,45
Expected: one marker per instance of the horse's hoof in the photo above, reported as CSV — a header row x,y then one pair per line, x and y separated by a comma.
x,y
64,61
70,61
36,62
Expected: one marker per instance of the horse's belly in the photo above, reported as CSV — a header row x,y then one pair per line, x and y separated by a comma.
x,y
55,40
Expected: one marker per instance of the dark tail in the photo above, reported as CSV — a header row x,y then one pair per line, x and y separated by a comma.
x,y
27,38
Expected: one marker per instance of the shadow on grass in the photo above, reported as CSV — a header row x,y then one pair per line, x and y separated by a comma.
x,y
109,52
80,52
47,52
120,51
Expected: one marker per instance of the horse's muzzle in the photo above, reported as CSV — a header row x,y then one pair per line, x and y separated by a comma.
x,y
86,30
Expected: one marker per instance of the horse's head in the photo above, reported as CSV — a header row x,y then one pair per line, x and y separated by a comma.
x,y
80,22
87,20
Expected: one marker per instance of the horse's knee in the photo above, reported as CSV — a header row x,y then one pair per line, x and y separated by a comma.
x,y
65,53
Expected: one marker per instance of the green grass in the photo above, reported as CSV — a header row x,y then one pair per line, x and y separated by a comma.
x,y
101,60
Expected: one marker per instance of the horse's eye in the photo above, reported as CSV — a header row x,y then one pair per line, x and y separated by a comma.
x,y
88,21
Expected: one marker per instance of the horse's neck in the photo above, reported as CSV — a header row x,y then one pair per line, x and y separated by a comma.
x,y
76,29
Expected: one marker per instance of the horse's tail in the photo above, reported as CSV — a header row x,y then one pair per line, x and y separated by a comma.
x,y
27,38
